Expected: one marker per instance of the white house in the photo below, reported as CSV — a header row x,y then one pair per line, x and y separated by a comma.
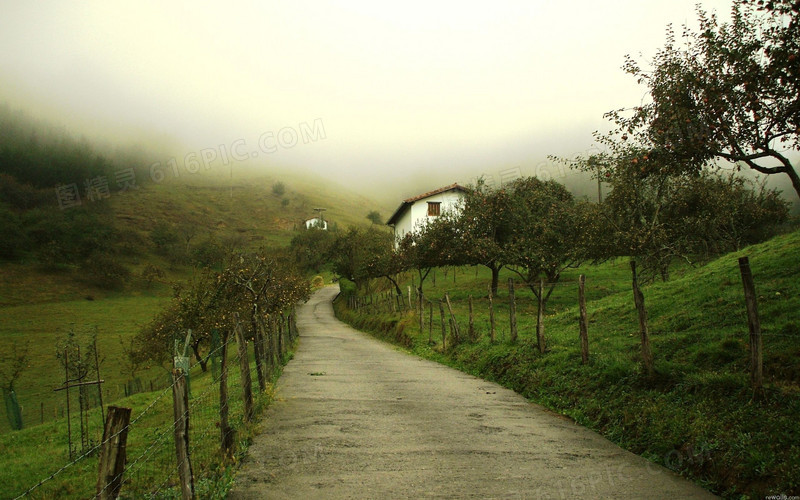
x,y
318,223
413,212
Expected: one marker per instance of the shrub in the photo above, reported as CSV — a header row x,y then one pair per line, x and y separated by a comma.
x,y
209,253
104,271
12,237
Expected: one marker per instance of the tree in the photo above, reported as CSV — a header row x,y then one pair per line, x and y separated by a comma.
x,y
387,263
164,238
353,250
731,92
187,231
11,369
375,217
311,250
436,243
251,284
655,214
484,228
544,232
14,363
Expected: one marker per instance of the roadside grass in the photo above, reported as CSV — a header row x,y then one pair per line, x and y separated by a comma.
x,y
33,454
697,415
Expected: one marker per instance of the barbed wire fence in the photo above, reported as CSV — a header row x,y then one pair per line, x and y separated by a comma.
x,y
149,442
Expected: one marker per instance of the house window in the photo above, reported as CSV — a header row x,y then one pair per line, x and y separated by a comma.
x,y
434,208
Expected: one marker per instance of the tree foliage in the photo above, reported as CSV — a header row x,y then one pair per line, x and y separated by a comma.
x,y
353,253
311,250
728,91
12,364
252,284
545,231
485,224
655,214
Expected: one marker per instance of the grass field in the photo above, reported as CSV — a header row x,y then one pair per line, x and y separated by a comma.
x,y
36,453
697,415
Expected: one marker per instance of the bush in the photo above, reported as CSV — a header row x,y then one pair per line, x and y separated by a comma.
x,y
23,196
131,242
13,240
209,253
278,189
104,271
164,238
152,273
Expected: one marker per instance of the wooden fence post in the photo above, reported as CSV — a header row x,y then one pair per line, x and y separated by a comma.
x,y
754,325
266,346
258,347
226,433
430,322
453,323
471,328
244,366
638,299
112,453
512,308
410,304
281,342
444,330
180,399
421,310
584,324
540,319
491,316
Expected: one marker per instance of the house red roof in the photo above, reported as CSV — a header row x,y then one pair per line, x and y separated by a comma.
x,y
410,201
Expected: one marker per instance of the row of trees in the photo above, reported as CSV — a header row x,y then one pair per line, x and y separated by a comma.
x,y
257,286
537,229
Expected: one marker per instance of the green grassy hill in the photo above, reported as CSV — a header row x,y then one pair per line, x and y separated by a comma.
x,y
697,415
39,305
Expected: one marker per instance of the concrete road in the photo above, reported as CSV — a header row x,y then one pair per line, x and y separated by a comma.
x,y
356,418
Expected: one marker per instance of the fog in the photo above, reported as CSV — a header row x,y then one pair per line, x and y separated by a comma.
x,y
390,98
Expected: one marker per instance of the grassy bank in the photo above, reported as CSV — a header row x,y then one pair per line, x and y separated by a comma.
x,y
697,415
35,453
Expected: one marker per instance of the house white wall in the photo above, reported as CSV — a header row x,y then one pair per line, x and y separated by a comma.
x,y
417,214
315,222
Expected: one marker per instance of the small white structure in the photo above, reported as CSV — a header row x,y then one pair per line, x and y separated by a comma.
x,y
317,223
413,212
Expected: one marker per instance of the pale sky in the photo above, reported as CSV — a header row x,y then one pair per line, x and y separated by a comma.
x,y
410,92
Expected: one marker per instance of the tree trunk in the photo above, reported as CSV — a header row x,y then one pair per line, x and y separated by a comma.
x,y
203,362
495,278
258,347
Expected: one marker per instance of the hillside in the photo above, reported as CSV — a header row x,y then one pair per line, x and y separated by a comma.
x,y
40,304
697,415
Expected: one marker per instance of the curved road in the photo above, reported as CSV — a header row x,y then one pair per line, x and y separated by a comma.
x,y
356,418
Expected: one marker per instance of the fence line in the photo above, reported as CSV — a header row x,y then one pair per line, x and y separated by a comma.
x,y
273,343
369,304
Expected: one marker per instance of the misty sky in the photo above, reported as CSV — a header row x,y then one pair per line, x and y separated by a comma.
x,y
413,92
